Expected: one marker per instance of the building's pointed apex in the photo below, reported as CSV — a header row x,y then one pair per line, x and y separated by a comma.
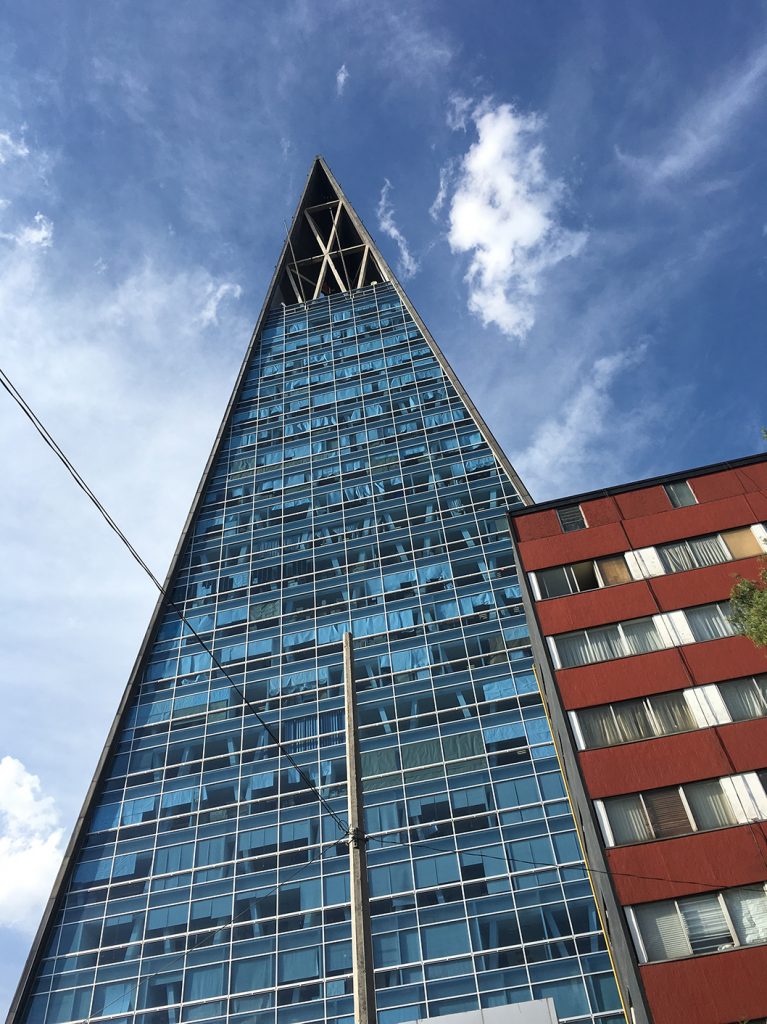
x,y
327,249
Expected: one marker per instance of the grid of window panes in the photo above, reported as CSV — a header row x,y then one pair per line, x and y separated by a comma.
x,y
353,489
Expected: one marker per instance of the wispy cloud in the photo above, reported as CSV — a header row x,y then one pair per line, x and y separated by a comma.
x,y
30,846
408,264
342,76
445,175
38,234
459,110
705,128
121,368
11,148
505,211
209,313
406,45
127,84
587,431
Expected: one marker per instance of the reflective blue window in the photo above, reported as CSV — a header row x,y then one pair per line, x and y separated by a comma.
x,y
351,487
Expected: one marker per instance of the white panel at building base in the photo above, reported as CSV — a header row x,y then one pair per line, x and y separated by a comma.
x,y
537,1011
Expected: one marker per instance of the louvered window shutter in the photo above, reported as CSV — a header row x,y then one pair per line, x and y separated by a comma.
x,y
667,813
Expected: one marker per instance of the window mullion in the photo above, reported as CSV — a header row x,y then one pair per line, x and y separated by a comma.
x,y
653,717
723,545
728,918
572,582
647,816
685,929
687,809
616,724
624,643
590,646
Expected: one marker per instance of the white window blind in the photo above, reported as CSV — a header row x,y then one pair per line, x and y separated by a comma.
x,y
618,723
672,713
706,925
681,810
709,922
663,714
641,636
696,553
663,934
628,820
626,721
748,910
710,621
745,698
632,721
710,805
619,640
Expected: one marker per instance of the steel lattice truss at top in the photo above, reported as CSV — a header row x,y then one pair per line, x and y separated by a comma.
x,y
326,252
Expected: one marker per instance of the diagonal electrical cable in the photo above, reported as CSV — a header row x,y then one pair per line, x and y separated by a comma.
x,y
478,851
8,385
50,441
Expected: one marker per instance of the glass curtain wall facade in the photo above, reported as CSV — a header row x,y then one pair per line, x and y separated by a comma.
x,y
353,490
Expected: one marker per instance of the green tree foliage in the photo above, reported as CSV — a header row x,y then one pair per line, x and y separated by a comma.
x,y
748,607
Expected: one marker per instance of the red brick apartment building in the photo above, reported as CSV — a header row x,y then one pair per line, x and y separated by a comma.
x,y
660,716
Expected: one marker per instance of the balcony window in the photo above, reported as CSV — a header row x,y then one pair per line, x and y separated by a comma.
x,y
668,812
619,640
583,576
712,549
664,714
693,554
710,621
707,923
745,698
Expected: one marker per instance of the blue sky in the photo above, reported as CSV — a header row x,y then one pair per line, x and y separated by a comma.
x,y
574,195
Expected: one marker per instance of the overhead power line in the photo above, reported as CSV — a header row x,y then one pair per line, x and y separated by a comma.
x,y
51,442
53,445
485,854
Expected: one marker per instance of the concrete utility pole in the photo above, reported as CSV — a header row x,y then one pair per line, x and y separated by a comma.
x,y
362,945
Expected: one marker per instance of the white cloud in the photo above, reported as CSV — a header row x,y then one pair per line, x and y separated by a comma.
x,y
122,371
705,128
407,48
37,235
505,211
124,81
408,264
587,432
10,148
31,846
458,112
342,76
209,314
445,174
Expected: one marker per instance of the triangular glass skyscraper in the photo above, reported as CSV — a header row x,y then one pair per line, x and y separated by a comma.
x,y
352,483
